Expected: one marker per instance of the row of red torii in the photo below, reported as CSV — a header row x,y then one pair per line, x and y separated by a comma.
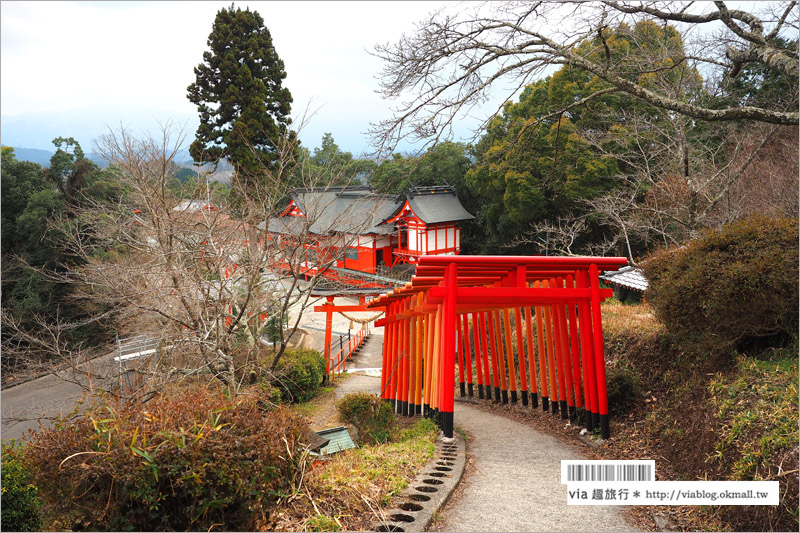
x,y
459,310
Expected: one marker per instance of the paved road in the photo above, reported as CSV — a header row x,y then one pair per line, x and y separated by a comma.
x,y
514,482
39,401
369,357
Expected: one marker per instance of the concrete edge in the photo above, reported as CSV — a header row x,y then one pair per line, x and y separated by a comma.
x,y
428,491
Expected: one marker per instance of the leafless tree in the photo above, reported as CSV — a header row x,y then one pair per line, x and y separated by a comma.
x,y
176,265
679,182
449,64
676,182
551,237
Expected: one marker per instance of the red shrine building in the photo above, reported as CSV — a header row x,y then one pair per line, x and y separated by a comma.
x,y
367,230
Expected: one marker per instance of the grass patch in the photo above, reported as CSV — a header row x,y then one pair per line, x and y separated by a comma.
x,y
619,318
323,397
389,465
757,407
322,522
757,410
348,491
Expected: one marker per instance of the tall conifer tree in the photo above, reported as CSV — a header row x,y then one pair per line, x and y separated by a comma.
x,y
238,91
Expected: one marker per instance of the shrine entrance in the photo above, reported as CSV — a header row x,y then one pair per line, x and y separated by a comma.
x,y
460,311
336,357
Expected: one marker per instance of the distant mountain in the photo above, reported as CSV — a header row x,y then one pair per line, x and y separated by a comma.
x,y
43,156
223,173
32,154
87,125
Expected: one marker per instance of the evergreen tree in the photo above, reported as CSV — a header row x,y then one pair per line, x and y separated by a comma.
x,y
540,158
244,109
70,170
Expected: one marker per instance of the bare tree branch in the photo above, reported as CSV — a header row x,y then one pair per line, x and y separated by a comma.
x,y
449,64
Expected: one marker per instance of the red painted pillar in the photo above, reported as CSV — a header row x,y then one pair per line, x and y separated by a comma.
x,y
387,354
402,378
587,350
498,337
448,360
599,358
540,344
395,361
574,343
328,328
420,356
436,366
551,356
430,320
467,355
462,387
412,362
523,369
559,361
512,371
531,355
492,340
398,363
476,336
487,375
566,360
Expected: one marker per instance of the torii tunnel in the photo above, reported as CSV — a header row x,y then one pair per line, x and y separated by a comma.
x,y
460,309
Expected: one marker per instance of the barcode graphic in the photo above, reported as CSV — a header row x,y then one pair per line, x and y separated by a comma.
x,y
576,471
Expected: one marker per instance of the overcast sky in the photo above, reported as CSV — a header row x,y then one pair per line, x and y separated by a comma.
x,y
136,58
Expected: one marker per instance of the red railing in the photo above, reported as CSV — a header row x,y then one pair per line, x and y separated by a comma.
x,y
338,361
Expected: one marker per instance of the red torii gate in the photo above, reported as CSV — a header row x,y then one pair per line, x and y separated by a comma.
x,y
331,367
561,294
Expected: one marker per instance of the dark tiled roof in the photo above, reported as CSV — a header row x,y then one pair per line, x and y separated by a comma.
x,y
338,210
629,277
358,214
433,208
359,211
434,205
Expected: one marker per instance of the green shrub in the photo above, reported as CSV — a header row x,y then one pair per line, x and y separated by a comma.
x,y
20,497
372,417
732,288
189,460
299,374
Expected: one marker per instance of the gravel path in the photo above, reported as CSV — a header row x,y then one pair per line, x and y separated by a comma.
x,y
514,483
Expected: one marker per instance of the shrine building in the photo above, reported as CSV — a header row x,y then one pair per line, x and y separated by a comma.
x,y
374,230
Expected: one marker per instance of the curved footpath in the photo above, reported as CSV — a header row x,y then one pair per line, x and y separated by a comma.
x,y
514,481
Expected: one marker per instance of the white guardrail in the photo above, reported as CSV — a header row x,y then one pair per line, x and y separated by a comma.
x,y
135,348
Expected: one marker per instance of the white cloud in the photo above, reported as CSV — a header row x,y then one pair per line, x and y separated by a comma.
x,y
140,55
